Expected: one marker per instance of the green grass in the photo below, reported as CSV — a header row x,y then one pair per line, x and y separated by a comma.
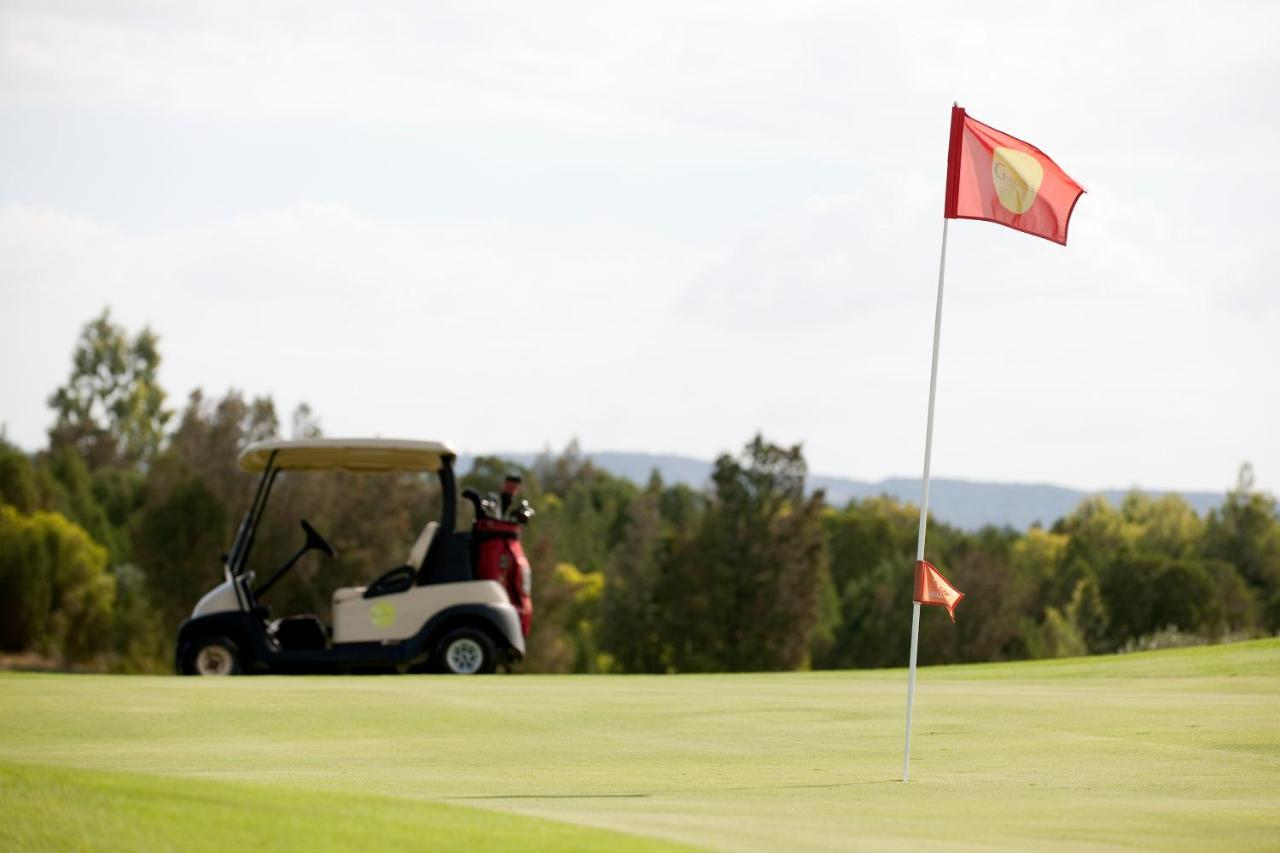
x,y
1167,750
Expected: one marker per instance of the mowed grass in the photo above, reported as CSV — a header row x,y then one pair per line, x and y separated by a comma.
x,y
1167,750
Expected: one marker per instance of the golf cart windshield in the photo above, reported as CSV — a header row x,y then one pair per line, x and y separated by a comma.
x,y
354,455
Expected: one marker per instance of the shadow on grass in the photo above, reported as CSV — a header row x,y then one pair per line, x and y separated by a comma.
x,y
641,796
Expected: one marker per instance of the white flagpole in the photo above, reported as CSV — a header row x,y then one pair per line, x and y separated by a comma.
x,y
924,499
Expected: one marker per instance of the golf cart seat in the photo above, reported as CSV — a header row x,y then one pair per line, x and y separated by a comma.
x,y
417,554
346,593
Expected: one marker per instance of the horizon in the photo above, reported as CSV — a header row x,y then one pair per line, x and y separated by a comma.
x,y
933,477
810,473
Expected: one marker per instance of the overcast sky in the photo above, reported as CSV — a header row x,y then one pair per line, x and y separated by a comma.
x,y
660,226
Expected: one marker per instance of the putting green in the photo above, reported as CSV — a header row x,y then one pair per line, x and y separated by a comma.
x,y
1169,750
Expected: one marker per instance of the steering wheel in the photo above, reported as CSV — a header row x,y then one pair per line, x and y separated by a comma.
x,y
316,542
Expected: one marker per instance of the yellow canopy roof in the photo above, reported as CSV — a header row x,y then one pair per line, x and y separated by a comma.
x,y
361,455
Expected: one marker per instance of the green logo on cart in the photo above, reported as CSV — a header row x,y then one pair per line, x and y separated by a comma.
x,y
382,615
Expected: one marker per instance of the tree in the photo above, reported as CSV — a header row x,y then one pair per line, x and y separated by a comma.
x,y
1245,531
26,583
588,518
17,478
745,589
1168,525
73,496
189,501
1000,601
210,435
580,618
873,551
1072,630
142,640
305,424
56,596
1146,593
179,534
631,618
112,407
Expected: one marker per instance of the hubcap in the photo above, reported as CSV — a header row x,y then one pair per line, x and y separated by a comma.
x,y
464,656
213,660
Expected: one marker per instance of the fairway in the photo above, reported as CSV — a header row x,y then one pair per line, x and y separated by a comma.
x,y
1169,750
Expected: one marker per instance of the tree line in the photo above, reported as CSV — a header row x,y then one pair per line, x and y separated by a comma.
x,y
110,534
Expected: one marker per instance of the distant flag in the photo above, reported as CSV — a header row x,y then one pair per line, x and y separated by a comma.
x,y
933,588
994,176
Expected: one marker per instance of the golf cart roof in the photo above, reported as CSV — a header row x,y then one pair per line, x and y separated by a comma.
x,y
361,455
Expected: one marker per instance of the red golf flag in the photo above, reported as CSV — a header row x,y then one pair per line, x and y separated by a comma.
x,y
996,177
932,588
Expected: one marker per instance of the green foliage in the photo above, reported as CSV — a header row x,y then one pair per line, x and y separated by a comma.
x,y
1148,592
17,479
116,491
1245,532
744,591
1166,525
26,583
752,573
581,517
141,640
73,497
580,617
632,621
56,596
191,499
594,500
872,549
1070,631
111,409
999,602
178,537
1271,613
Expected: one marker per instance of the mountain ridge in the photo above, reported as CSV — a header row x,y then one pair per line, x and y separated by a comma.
x,y
968,504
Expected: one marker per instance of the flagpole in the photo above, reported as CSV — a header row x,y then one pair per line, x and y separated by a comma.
x,y
924,499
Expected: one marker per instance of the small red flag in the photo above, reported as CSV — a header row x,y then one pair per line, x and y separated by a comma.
x,y
994,176
932,588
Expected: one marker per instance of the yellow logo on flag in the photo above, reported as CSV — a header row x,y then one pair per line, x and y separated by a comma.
x,y
1017,177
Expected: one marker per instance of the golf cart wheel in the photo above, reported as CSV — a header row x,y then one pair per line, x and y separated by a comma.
x,y
211,656
466,651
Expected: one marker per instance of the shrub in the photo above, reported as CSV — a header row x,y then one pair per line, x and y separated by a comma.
x,y
55,593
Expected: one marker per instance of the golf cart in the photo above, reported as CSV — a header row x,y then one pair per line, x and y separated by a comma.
x,y
460,603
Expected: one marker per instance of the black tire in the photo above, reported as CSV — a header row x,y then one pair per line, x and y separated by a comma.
x,y
466,651
211,656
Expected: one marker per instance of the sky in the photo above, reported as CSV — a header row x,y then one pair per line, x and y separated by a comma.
x,y
660,227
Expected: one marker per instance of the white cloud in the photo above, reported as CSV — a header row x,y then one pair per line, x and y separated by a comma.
x,y
383,326
708,219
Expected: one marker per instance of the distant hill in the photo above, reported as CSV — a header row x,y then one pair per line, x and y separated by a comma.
x,y
964,503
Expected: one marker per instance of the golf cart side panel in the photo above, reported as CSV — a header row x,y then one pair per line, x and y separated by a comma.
x,y
501,618
399,616
223,598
